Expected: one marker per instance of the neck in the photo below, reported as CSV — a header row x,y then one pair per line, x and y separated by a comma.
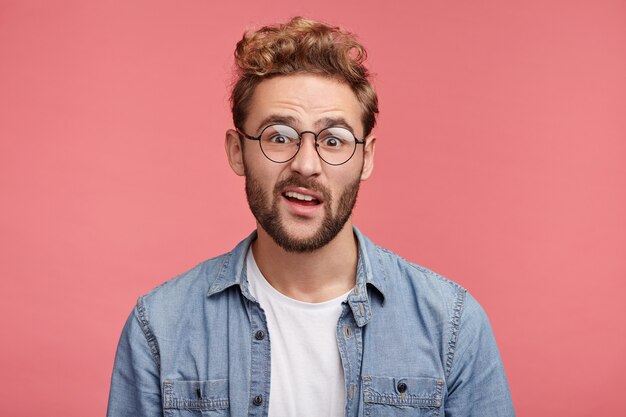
x,y
317,276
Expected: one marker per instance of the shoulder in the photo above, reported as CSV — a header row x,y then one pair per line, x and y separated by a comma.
x,y
181,294
433,295
400,281
407,279
437,301
196,279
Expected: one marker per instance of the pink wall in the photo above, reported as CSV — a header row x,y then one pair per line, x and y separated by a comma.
x,y
501,164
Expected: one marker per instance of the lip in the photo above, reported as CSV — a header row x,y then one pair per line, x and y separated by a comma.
x,y
304,191
302,210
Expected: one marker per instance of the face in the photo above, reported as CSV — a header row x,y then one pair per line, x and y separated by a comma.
x,y
302,204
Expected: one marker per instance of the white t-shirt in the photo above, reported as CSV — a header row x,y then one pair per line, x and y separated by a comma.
x,y
307,376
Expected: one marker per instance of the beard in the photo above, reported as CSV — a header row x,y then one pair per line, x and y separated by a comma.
x,y
269,217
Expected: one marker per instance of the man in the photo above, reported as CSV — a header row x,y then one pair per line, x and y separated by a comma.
x,y
306,317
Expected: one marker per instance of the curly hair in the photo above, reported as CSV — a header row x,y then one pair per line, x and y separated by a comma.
x,y
301,46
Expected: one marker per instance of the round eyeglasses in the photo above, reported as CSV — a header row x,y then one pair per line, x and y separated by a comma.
x,y
281,143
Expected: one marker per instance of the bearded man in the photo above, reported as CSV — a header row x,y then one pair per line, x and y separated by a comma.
x,y
306,316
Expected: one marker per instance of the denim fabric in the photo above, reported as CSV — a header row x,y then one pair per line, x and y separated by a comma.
x,y
412,343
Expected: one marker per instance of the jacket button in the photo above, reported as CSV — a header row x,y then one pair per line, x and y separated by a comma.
x,y
401,387
259,335
258,400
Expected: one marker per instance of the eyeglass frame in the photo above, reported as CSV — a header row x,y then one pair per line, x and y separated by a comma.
x,y
357,141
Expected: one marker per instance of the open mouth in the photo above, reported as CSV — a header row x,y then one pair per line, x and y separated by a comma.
x,y
299,198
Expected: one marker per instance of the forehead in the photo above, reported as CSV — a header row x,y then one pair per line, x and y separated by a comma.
x,y
309,100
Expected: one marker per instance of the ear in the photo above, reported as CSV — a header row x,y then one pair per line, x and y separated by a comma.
x,y
368,157
234,151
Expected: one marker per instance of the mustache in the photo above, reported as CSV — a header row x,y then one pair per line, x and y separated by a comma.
x,y
296,181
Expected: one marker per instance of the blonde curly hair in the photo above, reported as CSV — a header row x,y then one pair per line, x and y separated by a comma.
x,y
301,46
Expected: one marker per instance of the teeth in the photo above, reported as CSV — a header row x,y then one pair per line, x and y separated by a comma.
x,y
299,196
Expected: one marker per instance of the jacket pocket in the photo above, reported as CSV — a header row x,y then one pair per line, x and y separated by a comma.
x,y
398,397
195,398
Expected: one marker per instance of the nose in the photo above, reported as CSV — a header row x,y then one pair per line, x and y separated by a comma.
x,y
307,162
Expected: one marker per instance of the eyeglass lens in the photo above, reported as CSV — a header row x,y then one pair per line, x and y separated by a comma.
x,y
335,145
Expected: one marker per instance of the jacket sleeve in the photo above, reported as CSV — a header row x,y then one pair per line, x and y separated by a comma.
x,y
135,384
477,385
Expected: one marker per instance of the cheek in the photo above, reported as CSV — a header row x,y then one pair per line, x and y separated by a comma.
x,y
258,168
347,182
266,181
354,167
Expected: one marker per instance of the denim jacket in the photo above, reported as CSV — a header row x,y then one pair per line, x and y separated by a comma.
x,y
412,343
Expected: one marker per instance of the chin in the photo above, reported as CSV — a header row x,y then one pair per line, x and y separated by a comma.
x,y
303,239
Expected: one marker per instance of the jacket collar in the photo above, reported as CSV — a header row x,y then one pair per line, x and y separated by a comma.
x,y
369,273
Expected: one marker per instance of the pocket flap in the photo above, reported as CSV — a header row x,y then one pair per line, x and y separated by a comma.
x,y
196,395
404,391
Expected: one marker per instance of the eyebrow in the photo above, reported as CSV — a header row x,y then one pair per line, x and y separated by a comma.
x,y
276,119
332,122
292,121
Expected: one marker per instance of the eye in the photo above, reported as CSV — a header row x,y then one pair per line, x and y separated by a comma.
x,y
332,142
278,139
336,139
279,135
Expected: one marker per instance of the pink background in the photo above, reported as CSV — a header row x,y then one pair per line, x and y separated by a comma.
x,y
501,164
